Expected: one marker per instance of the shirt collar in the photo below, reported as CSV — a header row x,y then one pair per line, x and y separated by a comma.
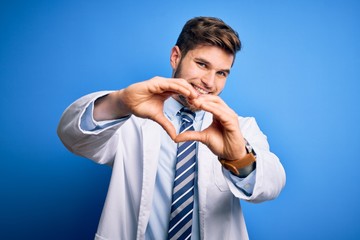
x,y
172,107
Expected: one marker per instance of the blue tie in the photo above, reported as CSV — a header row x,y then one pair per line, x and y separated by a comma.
x,y
183,190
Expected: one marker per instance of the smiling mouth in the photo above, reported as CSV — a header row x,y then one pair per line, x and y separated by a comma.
x,y
200,90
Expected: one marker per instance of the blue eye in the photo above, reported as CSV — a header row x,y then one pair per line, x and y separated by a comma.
x,y
201,64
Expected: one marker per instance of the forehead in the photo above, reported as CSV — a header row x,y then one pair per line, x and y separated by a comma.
x,y
216,56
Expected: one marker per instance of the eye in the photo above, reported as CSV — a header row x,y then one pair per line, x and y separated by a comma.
x,y
201,64
222,73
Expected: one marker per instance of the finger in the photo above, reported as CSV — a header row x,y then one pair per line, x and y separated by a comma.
x,y
226,118
166,125
202,100
189,136
210,98
186,91
214,105
222,114
181,86
193,92
219,110
176,85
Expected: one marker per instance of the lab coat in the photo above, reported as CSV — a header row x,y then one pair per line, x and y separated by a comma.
x,y
131,148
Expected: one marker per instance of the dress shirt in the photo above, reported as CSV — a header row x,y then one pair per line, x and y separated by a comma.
x,y
159,218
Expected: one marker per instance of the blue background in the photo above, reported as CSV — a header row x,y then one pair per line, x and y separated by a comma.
x,y
298,74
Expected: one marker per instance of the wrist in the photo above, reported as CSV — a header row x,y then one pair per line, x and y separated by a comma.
x,y
110,107
239,166
243,166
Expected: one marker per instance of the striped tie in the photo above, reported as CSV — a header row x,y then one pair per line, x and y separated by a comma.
x,y
183,190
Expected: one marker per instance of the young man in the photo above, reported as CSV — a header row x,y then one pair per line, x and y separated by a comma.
x,y
158,191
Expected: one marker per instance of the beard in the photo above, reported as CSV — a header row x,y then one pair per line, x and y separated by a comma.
x,y
181,98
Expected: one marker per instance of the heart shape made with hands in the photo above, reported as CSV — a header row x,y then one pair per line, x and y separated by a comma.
x,y
223,136
170,129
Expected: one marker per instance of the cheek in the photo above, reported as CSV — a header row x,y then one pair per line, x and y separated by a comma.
x,y
191,72
220,84
184,71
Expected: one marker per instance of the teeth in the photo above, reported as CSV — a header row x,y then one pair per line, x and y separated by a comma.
x,y
200,90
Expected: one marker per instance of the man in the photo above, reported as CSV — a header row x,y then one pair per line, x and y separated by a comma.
x,y
136,131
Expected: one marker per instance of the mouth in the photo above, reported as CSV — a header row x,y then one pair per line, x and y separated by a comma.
x,y
200,90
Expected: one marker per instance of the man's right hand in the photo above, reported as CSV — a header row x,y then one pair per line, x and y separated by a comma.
x,y
145,100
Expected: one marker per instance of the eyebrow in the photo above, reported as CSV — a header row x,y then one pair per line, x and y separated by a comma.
x,y
209,63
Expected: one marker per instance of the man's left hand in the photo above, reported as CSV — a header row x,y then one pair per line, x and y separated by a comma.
x,y
223,137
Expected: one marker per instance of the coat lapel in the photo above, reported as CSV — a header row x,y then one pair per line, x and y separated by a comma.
x,y
150,154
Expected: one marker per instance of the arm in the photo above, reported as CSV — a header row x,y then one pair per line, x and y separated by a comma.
x,y
92,144
144,100
270,175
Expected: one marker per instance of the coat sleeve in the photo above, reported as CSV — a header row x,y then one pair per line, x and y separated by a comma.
x,y
99,145
270,175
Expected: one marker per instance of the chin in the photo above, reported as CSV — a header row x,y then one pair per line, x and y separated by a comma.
x,y
184,101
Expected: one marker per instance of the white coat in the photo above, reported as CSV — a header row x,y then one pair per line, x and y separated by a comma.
x,y
132,149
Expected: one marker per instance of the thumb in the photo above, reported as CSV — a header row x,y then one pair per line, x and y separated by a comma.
x,y
189,136
166,125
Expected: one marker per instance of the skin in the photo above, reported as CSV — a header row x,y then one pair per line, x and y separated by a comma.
x,y
198,79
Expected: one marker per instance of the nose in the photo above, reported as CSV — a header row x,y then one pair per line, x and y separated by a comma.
x,y
208,79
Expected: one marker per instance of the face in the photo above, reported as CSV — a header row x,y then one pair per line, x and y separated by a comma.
x,y
206,68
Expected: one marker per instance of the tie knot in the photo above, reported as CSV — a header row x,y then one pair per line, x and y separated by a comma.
x,y
187,115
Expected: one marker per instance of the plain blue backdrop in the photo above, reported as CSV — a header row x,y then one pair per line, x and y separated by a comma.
x,y
298,74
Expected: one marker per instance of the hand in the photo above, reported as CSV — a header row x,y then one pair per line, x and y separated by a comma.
x,y
223,137
146,99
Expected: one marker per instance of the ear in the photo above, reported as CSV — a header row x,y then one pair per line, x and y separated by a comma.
x,y
175,57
